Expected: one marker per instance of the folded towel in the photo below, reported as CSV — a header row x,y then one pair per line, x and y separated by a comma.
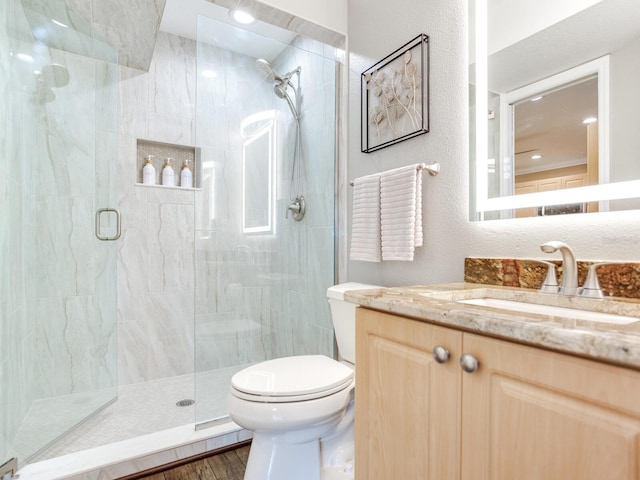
x,y
400,213
365,223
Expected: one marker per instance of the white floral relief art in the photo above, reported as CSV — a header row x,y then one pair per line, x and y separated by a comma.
x,y
394,108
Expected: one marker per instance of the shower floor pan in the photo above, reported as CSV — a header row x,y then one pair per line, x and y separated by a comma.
x,y
140,409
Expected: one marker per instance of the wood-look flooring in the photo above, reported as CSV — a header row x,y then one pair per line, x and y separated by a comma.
x,y
229,465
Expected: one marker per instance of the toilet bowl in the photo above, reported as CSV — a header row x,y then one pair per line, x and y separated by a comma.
x,y
301,408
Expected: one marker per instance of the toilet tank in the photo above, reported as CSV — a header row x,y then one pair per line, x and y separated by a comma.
x,y
343,315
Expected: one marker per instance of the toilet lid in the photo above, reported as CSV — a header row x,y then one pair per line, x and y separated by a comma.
x,y
303,375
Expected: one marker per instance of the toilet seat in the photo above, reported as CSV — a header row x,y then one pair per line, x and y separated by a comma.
x,y
291,379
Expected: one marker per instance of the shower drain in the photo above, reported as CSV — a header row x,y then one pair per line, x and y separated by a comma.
x,y
185,403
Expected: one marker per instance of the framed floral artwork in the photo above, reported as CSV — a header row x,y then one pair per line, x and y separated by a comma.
x,y
395,96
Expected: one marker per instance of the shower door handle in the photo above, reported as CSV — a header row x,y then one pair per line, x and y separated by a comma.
x,y
99,214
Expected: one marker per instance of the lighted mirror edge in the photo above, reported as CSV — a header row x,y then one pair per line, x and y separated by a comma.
x,y
592,193
482,100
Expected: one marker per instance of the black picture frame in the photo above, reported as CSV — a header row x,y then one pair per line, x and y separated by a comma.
x,y
395,96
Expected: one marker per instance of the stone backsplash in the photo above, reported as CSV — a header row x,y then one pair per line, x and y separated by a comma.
x,y
616,280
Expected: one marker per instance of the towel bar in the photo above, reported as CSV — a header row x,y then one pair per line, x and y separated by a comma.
x,y
432,168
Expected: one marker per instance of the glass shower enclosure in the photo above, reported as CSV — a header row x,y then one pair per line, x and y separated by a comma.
x,y
58,125
266,126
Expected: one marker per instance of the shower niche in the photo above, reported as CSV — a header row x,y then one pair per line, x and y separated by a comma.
x,y
180,154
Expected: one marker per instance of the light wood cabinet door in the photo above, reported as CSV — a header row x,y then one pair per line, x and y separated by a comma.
x,y
523,188
549,184
533,414
407,423
573,181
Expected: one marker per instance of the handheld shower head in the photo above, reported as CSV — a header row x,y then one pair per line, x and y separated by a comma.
x,y
280,90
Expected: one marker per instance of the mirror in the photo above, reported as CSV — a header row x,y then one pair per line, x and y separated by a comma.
x,y
258,160
542,69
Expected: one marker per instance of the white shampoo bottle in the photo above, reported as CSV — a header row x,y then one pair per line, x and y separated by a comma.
x,y
149,171
186,177
168,177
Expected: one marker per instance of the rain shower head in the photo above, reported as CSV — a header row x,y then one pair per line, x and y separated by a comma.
x,y
266,70
50,77
54,76
282,82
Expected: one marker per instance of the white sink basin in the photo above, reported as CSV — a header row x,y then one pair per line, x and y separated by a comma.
x,y
572,313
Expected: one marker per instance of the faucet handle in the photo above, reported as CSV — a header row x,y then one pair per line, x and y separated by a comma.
x,y
550,284
591,287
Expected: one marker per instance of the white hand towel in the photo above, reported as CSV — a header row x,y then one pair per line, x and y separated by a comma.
x,y
401,213
365,223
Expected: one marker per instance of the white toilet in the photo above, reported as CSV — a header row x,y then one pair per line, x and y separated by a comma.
x,y
300,409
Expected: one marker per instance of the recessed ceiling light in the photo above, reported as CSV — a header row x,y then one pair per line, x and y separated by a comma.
x,y
60,24
241,17
589,120
536,157
535,99
209,74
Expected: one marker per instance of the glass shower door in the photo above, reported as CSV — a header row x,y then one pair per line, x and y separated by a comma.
x,y
58,125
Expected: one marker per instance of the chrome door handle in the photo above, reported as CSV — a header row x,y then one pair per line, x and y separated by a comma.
x,y
440,354
99,235
469,363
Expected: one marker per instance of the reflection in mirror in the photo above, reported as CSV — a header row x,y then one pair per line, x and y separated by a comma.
x,y
550,129
542,69
258,162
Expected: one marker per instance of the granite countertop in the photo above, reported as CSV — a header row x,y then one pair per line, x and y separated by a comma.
x,y
613,343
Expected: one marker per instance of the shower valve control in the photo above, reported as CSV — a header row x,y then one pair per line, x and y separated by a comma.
x,y
297,207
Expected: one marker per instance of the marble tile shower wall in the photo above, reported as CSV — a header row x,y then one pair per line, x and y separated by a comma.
x,y
128,26
263,296
57,296
155,260
309,245
234,308
257,296
17,330
75,289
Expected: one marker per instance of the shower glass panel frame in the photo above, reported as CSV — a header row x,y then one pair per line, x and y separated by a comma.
x,y
58,309
262,294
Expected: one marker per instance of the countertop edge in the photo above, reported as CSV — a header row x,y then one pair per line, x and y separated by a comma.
x,y
607,345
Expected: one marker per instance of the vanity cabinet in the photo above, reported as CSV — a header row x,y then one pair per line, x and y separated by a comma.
x,y
408,406
526,413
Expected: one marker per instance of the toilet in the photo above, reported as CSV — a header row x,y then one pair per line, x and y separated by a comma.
x,y
301,408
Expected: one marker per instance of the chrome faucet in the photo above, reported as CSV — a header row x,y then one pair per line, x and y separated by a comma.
x,y
569,284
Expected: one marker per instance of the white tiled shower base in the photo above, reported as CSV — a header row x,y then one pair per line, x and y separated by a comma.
x,y
144,421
